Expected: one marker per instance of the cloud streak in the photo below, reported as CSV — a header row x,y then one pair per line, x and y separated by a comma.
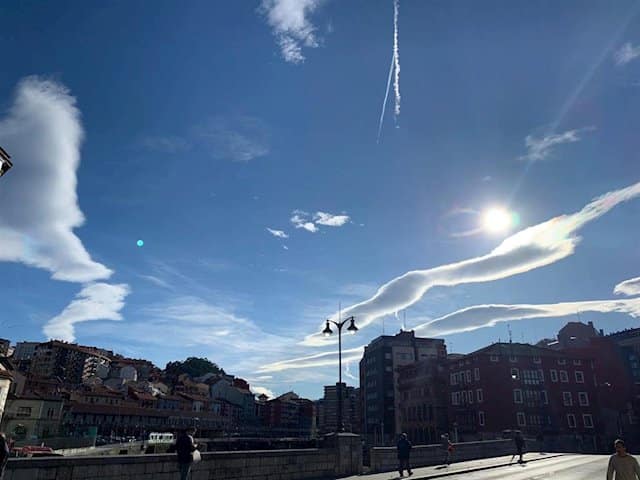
x,y
329,220
528,249
480,316
627,53
289,20
539,148
96,301
237,138
318,360
396,59
628,287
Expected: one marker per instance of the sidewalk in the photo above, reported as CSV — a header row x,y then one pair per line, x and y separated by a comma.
x,y
435,471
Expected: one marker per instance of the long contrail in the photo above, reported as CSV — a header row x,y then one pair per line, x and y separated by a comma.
x,y
386,96
396,58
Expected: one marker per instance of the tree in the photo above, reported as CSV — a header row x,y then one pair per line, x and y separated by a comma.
x,y
194,366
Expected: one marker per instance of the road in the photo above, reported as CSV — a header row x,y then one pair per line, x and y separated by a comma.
x,y
572,467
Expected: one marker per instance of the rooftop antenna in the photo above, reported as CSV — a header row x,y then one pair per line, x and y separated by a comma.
x,y
383,325
510,333
579,318
523,337
404,320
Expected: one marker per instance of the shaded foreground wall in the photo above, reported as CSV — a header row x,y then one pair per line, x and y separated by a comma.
x,y
342,456
384,459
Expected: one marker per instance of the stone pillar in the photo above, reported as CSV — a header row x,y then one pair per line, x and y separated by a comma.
x,y
348,450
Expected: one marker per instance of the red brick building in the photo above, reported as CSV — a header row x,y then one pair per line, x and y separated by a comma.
x,y
525,387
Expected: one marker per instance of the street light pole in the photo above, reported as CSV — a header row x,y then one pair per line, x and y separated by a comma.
x,y
327,331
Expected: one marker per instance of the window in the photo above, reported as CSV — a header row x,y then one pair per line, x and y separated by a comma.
x,y
476,374
24,412
571,420
521,418
481,419
479,395
493,358
515,374
544,397
470,396
579,376
468,376
454,398
537,360
577,362
464,396
587,420
513,359
567,399
564,378
583,399
517,396
562,361
388,368
554,375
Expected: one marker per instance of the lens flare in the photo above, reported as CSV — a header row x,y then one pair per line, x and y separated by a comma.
x,y
498,220
140,243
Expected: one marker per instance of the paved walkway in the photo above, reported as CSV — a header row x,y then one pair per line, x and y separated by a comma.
x,y
454,468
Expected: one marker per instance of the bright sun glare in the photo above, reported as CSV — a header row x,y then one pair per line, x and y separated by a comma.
x,y
496,220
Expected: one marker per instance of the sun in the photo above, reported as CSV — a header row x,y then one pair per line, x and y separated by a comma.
x,y
496,220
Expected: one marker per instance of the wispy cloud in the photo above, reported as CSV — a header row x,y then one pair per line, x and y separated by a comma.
x,y
628,287
539,148
480,316
531,248
306,221
39,201
289,20
239,138
277,233
394,71
262,390
627,53
96,301
329,220
317,360
157,281
168,144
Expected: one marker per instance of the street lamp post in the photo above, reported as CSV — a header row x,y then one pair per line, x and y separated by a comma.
x,y
327,331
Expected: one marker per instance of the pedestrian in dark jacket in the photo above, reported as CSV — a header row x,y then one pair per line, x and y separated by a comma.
x,y
404,452
185,446
4,454
519,441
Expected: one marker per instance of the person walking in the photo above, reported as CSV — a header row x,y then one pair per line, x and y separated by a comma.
x,y
404,452
622,464
448,449
4,454
519,441
185,446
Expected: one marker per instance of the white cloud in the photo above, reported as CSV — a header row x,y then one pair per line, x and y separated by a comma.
x,y
157,281
39,202
289,20
481,316
539,148
96,301
262,390
308,222
628,287
626,54
277,233
329,220
531,248
238,138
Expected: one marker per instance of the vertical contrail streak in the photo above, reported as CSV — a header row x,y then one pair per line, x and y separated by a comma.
x,y
386,96
396,58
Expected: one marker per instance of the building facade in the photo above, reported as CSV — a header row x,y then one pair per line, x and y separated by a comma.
x,y
67,361
327,409
537,390
424,394
380,397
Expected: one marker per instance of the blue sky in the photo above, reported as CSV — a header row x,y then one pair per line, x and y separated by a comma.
x,y
196,127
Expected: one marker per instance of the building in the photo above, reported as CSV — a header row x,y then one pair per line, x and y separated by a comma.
x,y
23,355
6,378
70,362
327,409
32,418
237,392
5,346
289,416
576,334
519,386
424,394
380,398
